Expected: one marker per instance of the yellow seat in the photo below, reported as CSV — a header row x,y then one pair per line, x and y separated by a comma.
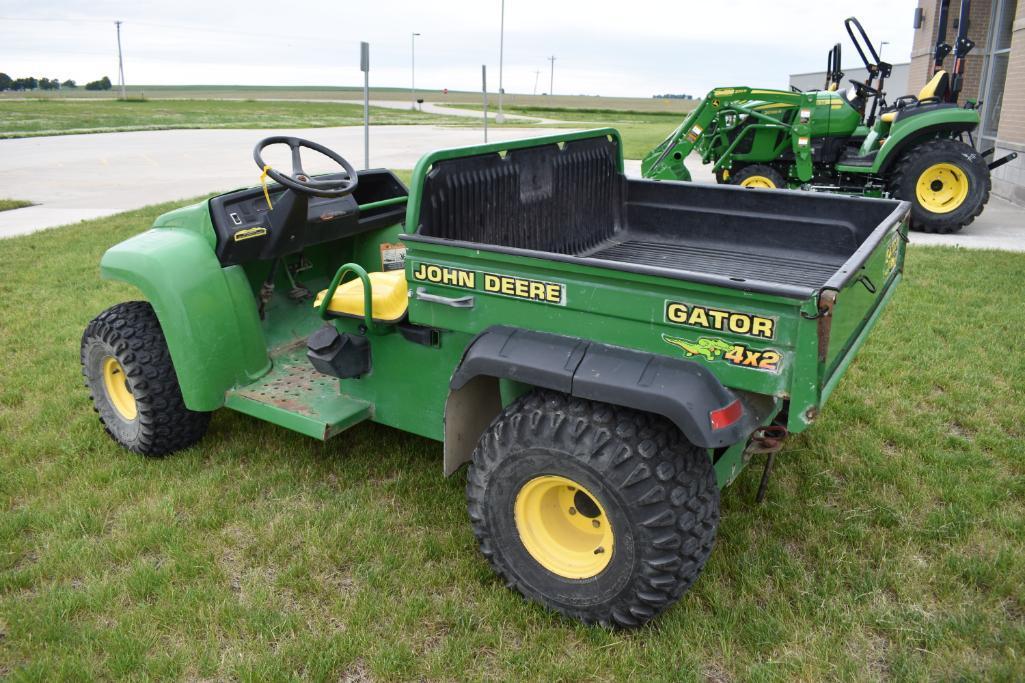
x,y
888,117
936,87
389,297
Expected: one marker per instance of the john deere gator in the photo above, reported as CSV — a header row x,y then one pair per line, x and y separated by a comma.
x,y
605,354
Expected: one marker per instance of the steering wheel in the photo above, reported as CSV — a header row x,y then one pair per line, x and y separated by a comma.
x,y
864,87
299,181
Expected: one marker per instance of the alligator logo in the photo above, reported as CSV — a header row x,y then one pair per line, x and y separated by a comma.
x,y
707,348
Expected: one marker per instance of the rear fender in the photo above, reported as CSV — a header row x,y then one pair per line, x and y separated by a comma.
x,y
683,391
207,313
909,132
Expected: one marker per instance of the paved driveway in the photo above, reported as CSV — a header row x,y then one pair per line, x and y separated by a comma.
x,y
78,177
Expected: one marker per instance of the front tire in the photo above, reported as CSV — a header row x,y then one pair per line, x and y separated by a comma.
x,y
947,183
758,176
604,514
132,382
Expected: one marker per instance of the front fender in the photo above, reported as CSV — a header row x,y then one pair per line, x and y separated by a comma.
x,y
207,313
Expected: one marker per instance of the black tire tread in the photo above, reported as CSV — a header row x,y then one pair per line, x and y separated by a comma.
x,y
902,174
668,483
132,330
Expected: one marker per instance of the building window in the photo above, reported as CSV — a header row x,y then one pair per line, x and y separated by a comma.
x,y
994,68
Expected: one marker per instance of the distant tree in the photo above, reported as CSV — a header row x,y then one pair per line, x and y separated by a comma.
x,y
70,83
46,84
29,83
102,84
5,81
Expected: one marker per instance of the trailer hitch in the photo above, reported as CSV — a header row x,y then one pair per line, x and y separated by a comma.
x,y
1003,160
768,440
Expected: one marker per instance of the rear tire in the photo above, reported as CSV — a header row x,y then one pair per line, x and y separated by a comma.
x,y
604,514
947,183
133,385
758,176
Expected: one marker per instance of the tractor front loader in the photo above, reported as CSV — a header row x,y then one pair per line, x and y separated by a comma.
x,y
919,149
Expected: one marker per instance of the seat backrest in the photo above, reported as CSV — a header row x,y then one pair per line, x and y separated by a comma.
x,y
556,198
936,87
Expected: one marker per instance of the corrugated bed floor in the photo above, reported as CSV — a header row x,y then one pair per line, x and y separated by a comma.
x,y
737,262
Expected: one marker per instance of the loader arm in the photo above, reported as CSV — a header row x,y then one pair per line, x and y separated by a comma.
x,y
667,160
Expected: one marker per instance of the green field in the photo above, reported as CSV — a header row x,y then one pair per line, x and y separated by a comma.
x,y
641,130
890,546
262,92
23,118
8,204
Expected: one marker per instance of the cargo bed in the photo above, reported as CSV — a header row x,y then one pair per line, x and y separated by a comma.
x,y
584,210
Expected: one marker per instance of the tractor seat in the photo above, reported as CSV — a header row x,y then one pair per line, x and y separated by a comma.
x,y
389,297
933,91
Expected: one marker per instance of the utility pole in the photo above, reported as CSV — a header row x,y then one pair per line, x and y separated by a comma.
x,y
412,52
500,117
537,74
881,43
120,62
551,85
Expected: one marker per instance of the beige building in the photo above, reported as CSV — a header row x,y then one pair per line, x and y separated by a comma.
x,y
994,75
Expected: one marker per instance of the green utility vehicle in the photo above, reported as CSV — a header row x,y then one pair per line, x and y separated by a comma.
x,y
919,149
606,353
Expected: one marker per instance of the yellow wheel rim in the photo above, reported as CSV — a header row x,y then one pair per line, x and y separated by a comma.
x,y
758,181
564,527
115,383
941,188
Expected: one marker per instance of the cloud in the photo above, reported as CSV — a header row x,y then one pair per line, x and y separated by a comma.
x,y
623,48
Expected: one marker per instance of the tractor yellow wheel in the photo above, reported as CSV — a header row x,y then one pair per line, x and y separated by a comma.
x,y
564,527
758,181
941,188
115,383
758,176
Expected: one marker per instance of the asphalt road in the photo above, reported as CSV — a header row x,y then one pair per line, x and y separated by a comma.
x,y
78,177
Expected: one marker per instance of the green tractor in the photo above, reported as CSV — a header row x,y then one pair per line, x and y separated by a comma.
x,y
919,148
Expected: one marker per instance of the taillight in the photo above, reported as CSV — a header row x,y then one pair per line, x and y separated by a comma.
x,y
724,417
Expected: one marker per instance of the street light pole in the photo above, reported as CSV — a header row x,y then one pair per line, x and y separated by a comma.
x,y
412,53
500,117
881,43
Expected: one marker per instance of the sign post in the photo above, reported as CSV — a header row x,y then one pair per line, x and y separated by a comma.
x,y
364,65
484,90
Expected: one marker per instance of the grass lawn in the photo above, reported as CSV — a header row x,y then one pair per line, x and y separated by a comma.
x,y
24,118
641,130
891,546
8,204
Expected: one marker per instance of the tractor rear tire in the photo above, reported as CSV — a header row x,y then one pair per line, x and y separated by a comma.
x,y
133,385
947,183
601,513
758,176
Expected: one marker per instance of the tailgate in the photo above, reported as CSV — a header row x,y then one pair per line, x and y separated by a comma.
x,y
857,294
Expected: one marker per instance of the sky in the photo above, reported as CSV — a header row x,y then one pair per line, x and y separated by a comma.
x,y
625,48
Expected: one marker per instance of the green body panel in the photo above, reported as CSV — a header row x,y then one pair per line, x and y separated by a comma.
x,y
891,139
207,313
